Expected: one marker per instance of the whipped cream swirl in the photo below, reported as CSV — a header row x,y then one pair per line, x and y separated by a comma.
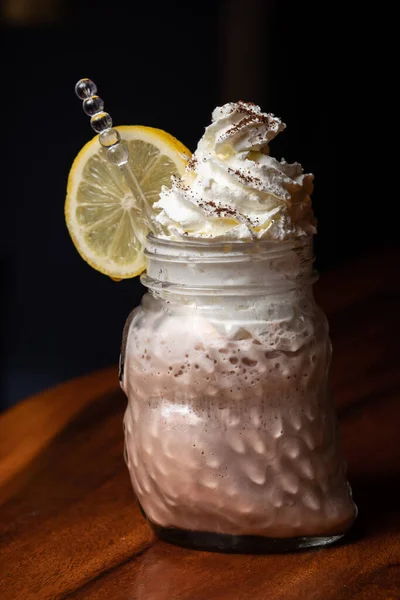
x,y
233,189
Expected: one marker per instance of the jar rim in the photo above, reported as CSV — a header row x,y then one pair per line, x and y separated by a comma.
x,y
226,246
200,267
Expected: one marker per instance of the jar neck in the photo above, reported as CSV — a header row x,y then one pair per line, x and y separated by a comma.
x,y
228,268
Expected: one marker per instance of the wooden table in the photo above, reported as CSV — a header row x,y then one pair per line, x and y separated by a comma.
x,y
69,525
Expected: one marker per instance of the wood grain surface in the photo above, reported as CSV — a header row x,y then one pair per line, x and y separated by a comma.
x,y
69,524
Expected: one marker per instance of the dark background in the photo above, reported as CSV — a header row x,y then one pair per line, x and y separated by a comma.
x,y
166,65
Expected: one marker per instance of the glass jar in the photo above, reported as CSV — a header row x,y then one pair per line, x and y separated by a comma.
x,y
230,431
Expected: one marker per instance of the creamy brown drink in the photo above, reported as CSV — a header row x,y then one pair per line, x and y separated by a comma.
x,y
230,428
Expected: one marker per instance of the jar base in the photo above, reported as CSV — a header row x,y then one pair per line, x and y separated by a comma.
x,y
241,544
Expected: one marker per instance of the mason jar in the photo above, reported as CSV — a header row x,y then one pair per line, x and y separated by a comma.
x,y
231,438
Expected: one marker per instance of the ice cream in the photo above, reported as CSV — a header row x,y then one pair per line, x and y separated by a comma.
x,y
233,188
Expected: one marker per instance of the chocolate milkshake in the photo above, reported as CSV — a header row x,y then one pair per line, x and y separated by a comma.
x,y
230,430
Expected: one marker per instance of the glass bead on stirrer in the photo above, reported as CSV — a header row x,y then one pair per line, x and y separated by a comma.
x,y
116,150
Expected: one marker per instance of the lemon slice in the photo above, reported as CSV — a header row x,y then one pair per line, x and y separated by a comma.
x,y
100,209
